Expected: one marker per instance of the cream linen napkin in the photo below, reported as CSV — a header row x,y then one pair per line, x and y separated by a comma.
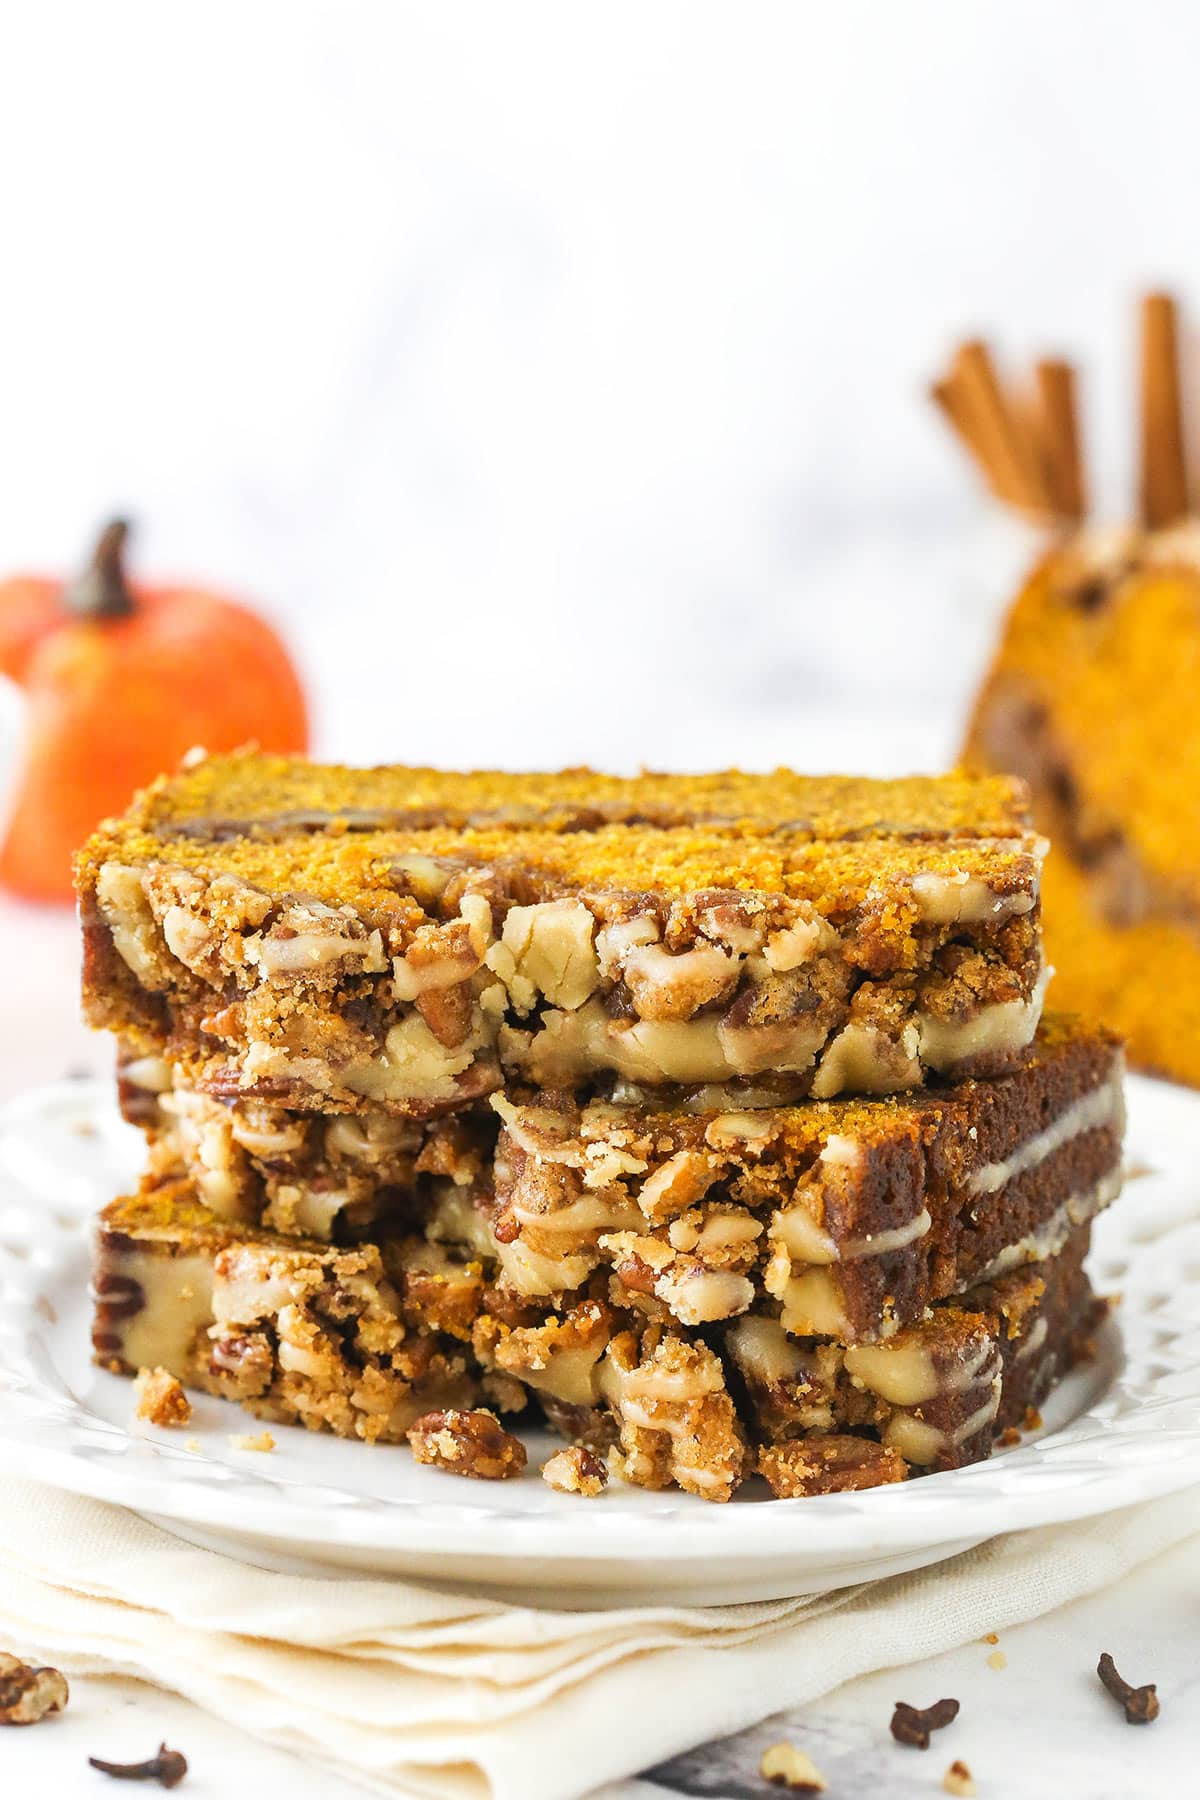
x,y
416,1691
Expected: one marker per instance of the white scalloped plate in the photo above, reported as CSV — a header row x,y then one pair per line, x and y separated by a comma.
x,y
1124,1428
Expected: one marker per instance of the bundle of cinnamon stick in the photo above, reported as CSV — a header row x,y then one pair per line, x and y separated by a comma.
x,y
1024,437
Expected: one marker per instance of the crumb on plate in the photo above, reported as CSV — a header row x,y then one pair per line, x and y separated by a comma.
x,y
161,1399
263,1441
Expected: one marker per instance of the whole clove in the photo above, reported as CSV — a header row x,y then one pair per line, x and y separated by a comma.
x,y
1140,1704
913,1724
168,1768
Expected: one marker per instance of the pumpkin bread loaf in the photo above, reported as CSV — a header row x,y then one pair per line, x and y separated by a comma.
x,y
1092,699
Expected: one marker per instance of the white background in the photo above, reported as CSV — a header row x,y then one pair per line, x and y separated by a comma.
x,y
556,372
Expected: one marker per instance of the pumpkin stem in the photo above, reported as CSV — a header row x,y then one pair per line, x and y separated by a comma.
x,y
101,591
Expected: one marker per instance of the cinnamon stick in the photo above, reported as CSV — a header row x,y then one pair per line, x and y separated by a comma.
x,y
1026,404
1057,427
946,395
993,421
1163,486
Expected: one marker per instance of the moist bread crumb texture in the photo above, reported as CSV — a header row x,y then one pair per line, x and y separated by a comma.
x,y
710,1120
1091,698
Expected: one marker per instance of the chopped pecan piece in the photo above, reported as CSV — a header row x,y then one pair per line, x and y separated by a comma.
x,y
959,1781
28,1693
467,1443
576,1470
449,1013
786,1767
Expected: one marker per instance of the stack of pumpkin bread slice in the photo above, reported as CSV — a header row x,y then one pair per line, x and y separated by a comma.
x,y
713,1121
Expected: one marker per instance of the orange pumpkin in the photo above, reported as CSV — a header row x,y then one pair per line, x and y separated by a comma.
x,y
121,681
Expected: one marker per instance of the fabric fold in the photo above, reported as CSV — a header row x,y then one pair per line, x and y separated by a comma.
x,y
414,1690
